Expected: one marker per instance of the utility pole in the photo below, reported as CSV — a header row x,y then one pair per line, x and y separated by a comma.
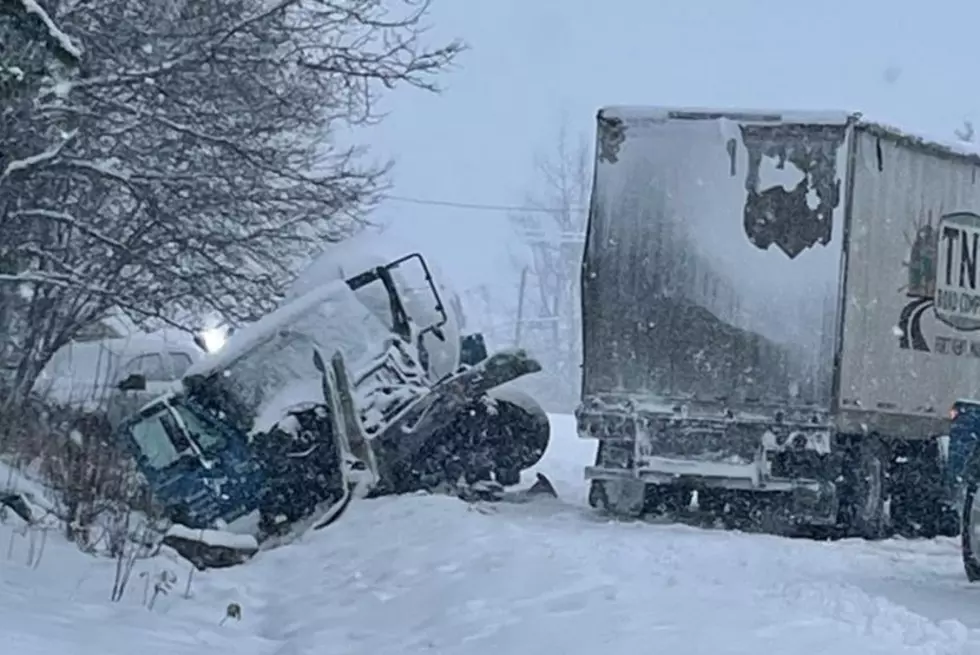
x,y
548,306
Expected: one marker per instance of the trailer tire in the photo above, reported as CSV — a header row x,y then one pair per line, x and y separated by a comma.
x,y
747,511
729,509
919,506
971,546
666,500
867,517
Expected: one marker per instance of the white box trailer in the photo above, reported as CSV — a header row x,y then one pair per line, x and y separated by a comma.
x,y
778,306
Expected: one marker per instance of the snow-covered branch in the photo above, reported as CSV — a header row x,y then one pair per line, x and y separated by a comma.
x,y
47,156
67,219
64,46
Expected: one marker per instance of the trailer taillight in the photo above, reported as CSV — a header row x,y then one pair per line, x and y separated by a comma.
x,y
953,412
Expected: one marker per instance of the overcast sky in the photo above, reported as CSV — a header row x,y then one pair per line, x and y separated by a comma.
x,y
534,61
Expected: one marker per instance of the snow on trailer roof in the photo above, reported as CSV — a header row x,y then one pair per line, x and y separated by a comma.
x,y
744,115
914,138
921,139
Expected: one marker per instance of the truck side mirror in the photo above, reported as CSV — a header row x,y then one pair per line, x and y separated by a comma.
x,y
133,382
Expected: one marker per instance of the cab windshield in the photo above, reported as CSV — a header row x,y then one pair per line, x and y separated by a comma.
x,y
173,432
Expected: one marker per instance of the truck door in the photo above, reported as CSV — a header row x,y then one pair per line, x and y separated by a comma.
x,y
227,466
173,469
197,473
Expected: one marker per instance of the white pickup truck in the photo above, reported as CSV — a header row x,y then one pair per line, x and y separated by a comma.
x,y
86,375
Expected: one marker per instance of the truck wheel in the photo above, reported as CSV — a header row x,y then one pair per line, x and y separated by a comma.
x,y
666,500
919,507
970,533
746,511
729,508
520,430
507,477
867,502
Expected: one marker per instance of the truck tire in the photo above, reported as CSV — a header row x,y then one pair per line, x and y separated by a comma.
x,y
731,509
866,506
667,500
747,511
521,434
919,507
970,532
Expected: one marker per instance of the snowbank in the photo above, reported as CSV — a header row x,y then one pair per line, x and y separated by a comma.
x,y
429,574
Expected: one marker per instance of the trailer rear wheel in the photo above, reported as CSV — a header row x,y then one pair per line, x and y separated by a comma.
x,y
666,500
748,511
970,532
728,508
919,506
866,514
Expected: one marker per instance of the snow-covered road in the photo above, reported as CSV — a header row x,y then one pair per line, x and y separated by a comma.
x,y
431,574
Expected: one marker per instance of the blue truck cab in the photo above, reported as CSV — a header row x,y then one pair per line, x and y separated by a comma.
x,y
199,469
245,440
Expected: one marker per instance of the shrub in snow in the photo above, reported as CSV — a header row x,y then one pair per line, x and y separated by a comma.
x,y
88,488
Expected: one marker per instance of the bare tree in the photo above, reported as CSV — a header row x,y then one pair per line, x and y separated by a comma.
x,y
194,161
33,51
554,231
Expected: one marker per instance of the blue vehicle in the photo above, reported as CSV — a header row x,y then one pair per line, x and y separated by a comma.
x,y
963,478
329,393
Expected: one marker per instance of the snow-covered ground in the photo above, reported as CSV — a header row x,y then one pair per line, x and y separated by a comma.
x,y
431,574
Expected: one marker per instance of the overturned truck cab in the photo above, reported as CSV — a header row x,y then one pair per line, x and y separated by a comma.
x,y
331,396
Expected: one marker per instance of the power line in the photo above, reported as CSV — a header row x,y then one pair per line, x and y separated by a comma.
x,y
481,206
